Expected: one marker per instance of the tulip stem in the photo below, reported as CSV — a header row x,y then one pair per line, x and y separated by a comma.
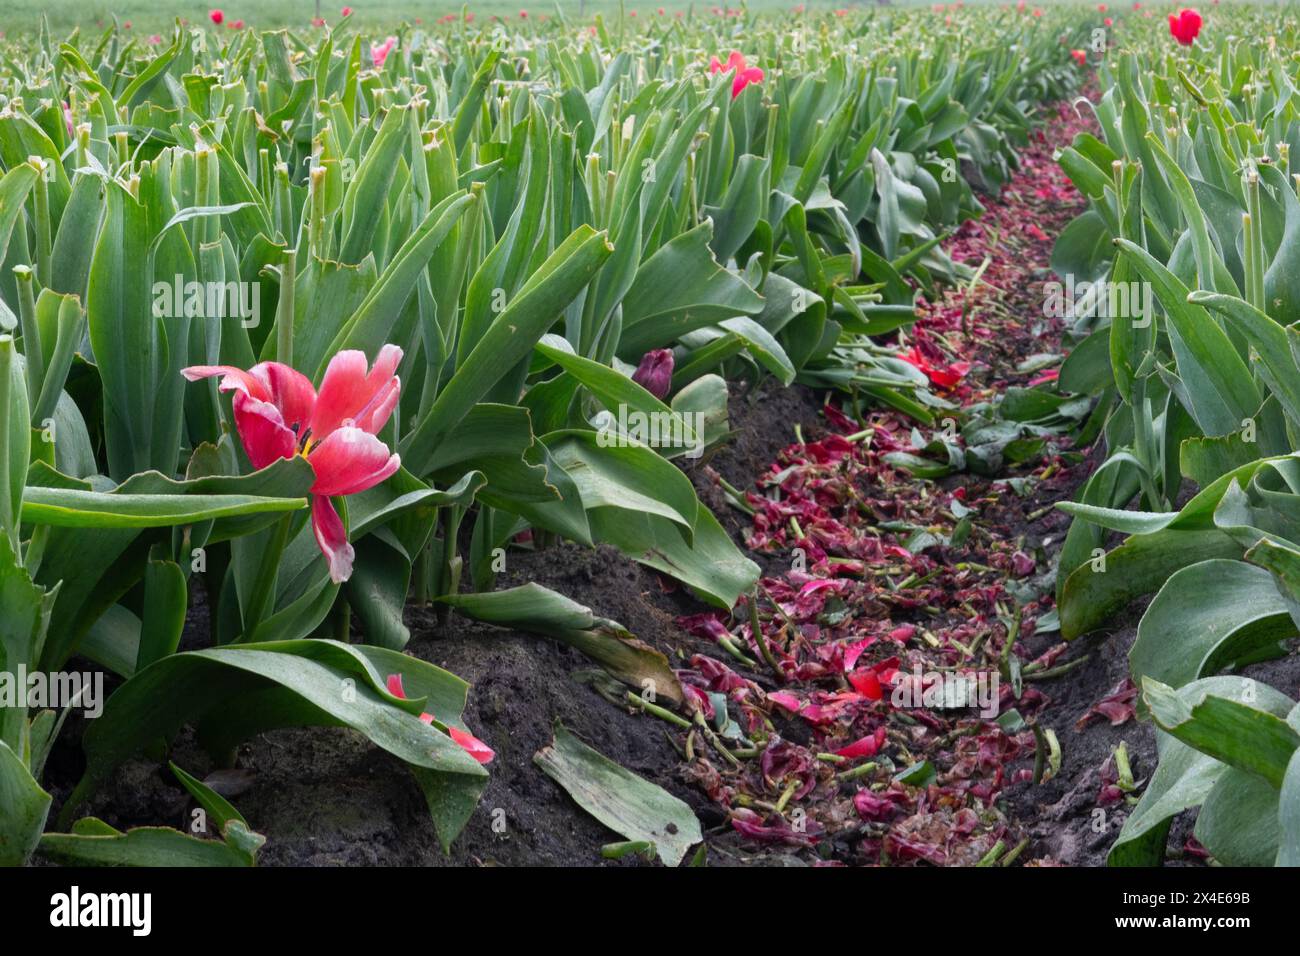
x,y
285,308
756,631
1015,853
41,204
657,711
991,857
342,620
32,353
421,572
10,507
261,600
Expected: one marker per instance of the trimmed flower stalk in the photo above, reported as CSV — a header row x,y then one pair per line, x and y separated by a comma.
x,y
744,74
655,373
472,745
278,414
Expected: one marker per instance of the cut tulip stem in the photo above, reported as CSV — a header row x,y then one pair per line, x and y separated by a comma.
x,y
32,353
991,857
756,632
285,308
859,771
654,709
1015,853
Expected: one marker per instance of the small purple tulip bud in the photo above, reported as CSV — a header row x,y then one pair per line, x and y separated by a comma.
x,y
655,373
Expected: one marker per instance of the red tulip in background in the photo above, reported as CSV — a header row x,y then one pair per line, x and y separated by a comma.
x,y
1185,25
279,415
655,373
473,746
1080,57
744,74
216,16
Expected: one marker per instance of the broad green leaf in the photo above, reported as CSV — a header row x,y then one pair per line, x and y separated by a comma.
x,y
1184,776
614,390
297,683
1208,616
613,473
1238,822
678,289
508,341
145,846
629,805
532,607
1220,388
72,508
1288,851
1239,734
25,808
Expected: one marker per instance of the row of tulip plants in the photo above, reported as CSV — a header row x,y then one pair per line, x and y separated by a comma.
x,y
1190,254
325,322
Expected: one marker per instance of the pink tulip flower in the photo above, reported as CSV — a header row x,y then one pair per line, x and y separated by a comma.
x,y
380,53
279,415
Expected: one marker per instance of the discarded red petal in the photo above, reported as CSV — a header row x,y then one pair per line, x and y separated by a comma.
x,y
473,746
867,746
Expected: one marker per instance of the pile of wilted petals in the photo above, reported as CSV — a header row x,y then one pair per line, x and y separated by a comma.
x,y
832,755
855,623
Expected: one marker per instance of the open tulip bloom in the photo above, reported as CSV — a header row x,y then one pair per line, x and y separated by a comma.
x,y
744,75
1185,25
279,415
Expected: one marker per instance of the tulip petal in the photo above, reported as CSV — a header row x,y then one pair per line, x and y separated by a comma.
x,y
377,411
235,379
342,392
348,393
395,686
262,431
332,538
350,460
473,746
289,390
286,388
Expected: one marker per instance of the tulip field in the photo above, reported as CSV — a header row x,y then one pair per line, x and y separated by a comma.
x,y
689,436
